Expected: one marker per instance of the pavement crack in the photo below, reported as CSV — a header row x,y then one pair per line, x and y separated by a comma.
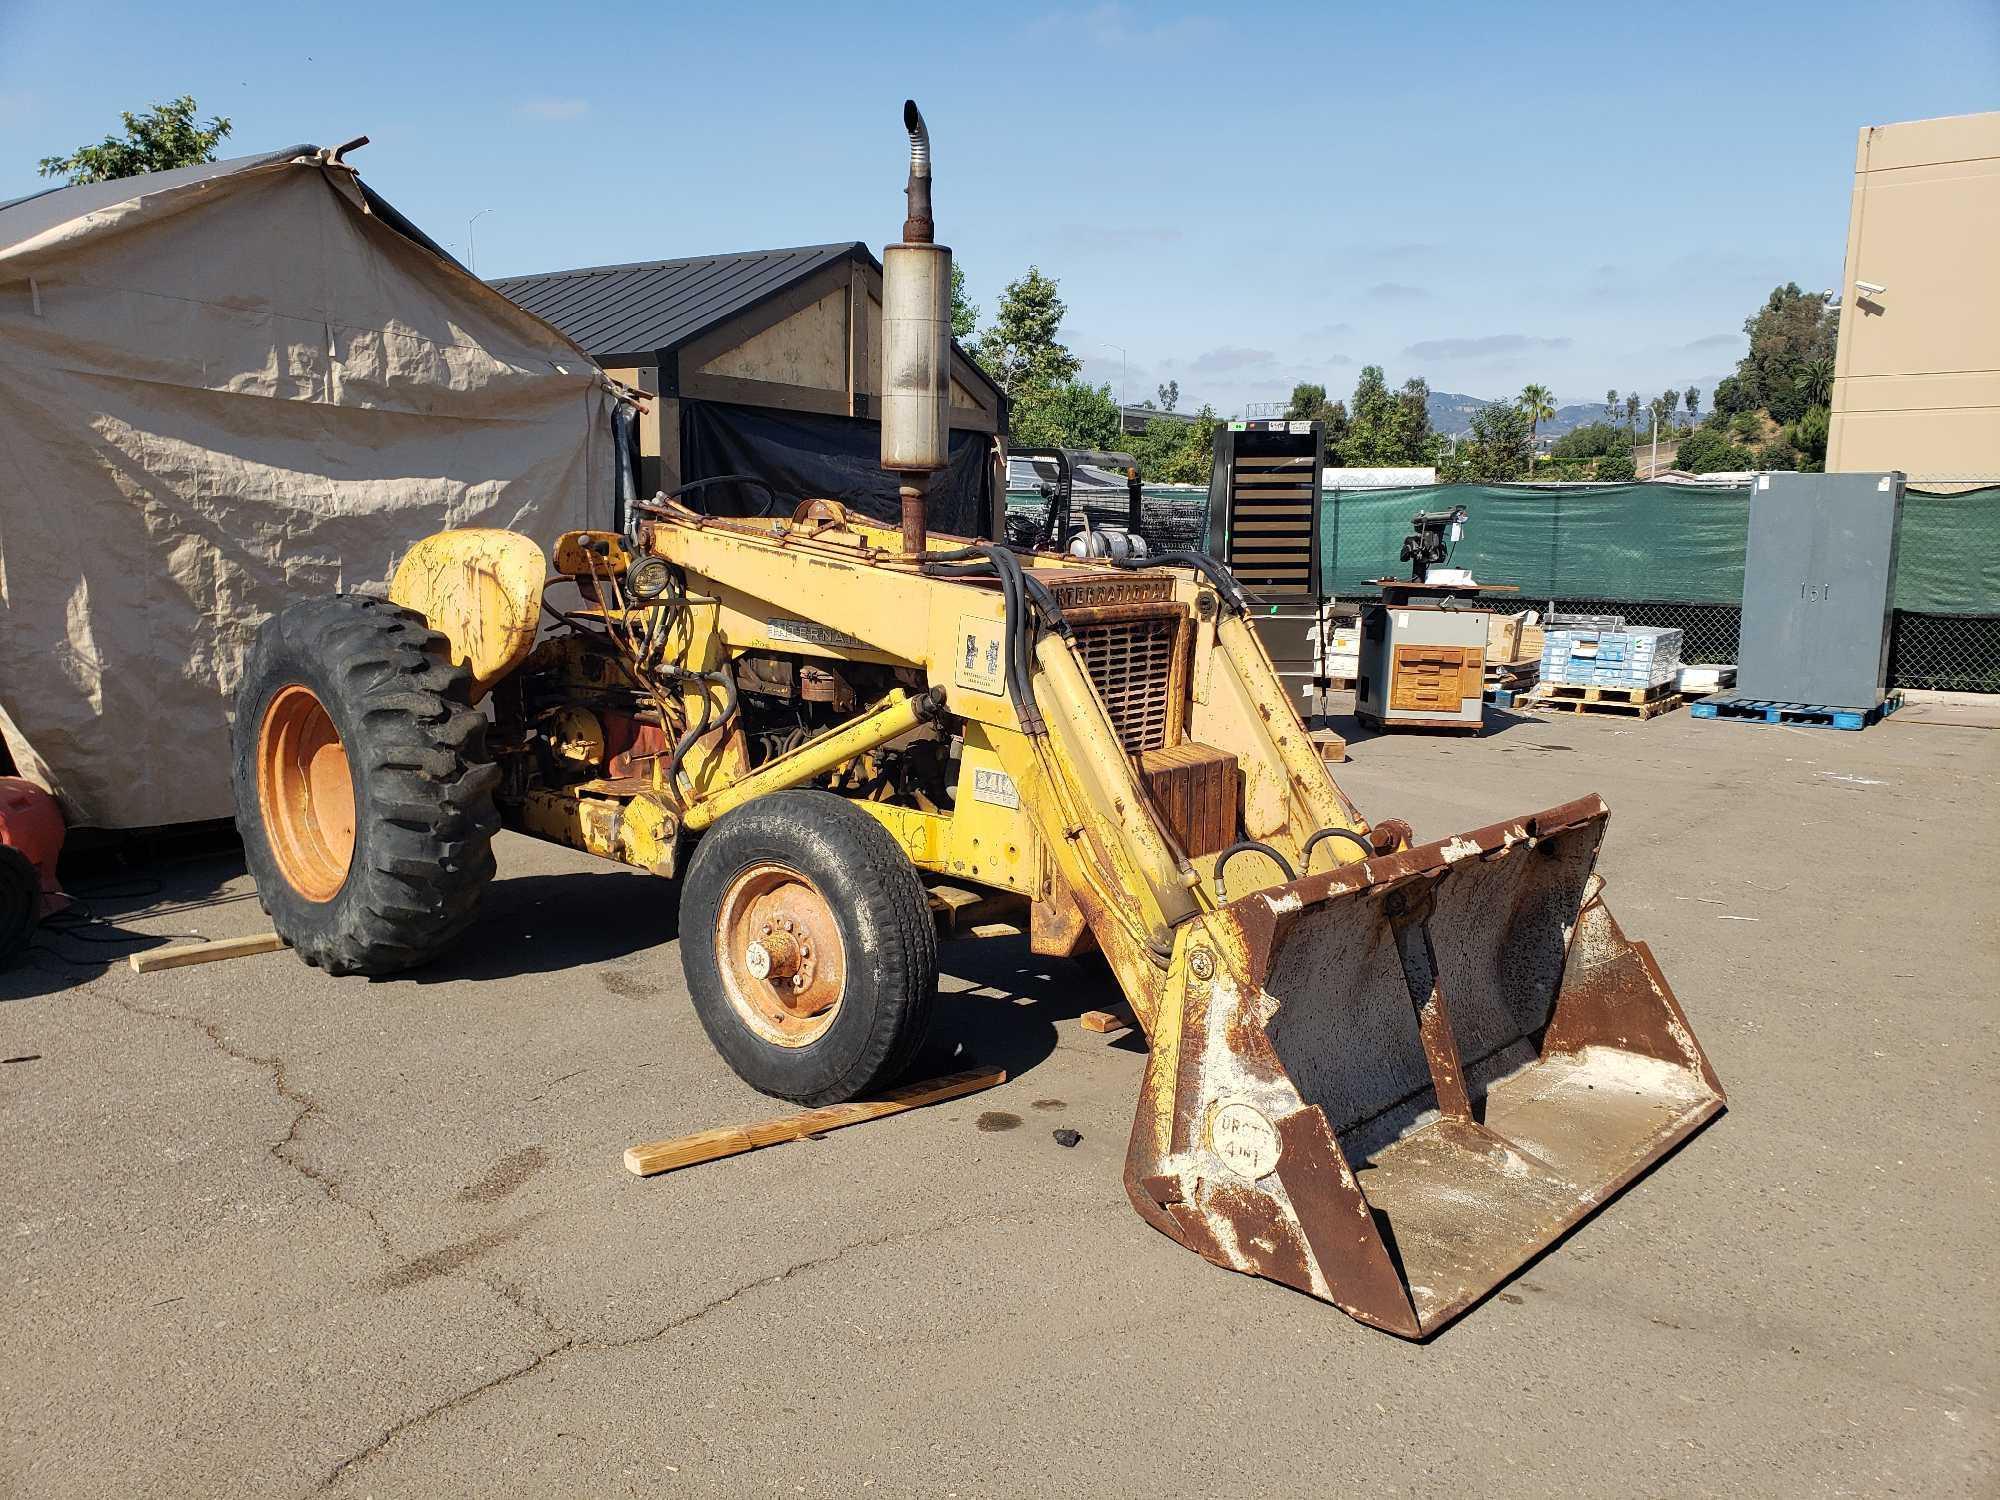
x,y
451,1403
286,1152
569,1344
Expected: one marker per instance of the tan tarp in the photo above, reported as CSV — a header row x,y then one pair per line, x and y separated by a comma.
x,y
220,397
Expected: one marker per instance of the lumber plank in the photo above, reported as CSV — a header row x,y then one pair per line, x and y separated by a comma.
x,y
1118,1018
650,1158
204,953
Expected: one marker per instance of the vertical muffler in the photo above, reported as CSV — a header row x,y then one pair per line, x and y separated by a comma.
x,y
915,387
1394,1084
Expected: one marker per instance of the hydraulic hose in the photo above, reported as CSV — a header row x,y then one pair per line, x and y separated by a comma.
x,y
727,682
1224,581
1245,847
1018,594
1306,853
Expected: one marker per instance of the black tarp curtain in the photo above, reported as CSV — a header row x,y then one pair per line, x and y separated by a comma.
x,y
807,456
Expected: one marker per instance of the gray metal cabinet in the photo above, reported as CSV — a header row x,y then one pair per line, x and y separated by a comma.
x,y
1818,586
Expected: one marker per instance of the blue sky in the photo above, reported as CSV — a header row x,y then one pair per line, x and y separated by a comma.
x,y
1234,197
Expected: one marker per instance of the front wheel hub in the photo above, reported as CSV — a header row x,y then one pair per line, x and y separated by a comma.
x,y
783,964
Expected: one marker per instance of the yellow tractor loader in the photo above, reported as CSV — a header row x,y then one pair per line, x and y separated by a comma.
x,y
1384,1073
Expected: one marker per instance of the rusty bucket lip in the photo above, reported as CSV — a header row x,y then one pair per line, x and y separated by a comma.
x,y
1429,858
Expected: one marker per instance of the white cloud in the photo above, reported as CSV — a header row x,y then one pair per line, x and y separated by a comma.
x,y
1493,346
1230,357
553,109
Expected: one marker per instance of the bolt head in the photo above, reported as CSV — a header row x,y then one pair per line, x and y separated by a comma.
x,y
1201,963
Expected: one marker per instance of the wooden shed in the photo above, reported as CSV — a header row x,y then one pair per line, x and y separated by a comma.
x,y
767,362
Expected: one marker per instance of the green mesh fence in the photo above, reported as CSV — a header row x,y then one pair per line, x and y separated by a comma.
x,y
1660,554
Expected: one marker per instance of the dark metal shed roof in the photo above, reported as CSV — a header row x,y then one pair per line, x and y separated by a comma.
x,y
634,312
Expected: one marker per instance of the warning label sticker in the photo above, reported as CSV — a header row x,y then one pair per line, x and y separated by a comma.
x,y
981,659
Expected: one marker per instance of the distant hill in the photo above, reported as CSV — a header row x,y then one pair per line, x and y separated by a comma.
x,y
1452,414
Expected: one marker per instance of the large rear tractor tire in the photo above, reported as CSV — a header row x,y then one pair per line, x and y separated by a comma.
x,y
809,947
364,795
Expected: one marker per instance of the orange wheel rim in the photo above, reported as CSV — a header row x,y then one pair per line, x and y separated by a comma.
x,y
783,964
306,792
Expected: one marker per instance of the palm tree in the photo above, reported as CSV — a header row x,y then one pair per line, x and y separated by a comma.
x,y
1816,381
1538,406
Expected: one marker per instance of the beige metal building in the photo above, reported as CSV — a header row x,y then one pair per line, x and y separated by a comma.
x,y
768,362
1917,373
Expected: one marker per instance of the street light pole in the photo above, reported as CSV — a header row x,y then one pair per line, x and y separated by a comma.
x,y
1654,474
1121,375
472,243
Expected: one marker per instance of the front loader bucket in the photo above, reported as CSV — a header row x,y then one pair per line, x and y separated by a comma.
x,y
1392,1085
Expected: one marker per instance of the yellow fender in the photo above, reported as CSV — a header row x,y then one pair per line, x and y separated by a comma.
x,y
481,589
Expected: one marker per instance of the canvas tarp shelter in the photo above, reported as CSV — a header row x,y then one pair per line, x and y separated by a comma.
x,y
221,389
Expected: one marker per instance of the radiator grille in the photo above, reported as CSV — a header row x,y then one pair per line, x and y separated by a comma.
x,y
1131,664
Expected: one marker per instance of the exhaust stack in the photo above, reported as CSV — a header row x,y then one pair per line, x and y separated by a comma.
x,y
916,343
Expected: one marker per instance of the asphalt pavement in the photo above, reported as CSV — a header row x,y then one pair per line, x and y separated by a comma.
x,y
272,1233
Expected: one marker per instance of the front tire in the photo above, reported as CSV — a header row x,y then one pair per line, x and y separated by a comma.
x,y
363,792
808,947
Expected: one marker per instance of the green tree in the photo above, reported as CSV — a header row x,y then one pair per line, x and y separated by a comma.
x,y
1383,428
1498,448
1808,435
1691,399
1309,404
1175,452
1170,395
1591,441
1709,451
1021,350
1632,411
1538,406
1074,414
964,311
165,136
1615,468
1670,402
1816,380
1611,405
1788,334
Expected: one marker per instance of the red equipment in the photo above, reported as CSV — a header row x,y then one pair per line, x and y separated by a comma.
x,y
31,837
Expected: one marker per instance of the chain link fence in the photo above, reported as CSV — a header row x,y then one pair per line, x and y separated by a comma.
x,y
1955,649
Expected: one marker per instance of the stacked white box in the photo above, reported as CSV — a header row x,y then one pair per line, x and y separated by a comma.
x,y
1637,656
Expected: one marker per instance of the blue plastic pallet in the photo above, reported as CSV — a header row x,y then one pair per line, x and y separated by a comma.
x,y
1806,715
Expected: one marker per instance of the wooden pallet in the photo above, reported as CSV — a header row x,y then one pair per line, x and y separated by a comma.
x,y
1802,715
1637,703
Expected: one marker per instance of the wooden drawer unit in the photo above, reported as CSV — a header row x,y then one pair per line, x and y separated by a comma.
x,y
1436,678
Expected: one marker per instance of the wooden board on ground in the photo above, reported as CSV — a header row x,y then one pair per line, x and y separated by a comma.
x,y
1566,697
1118,1018
653,1157
204,953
